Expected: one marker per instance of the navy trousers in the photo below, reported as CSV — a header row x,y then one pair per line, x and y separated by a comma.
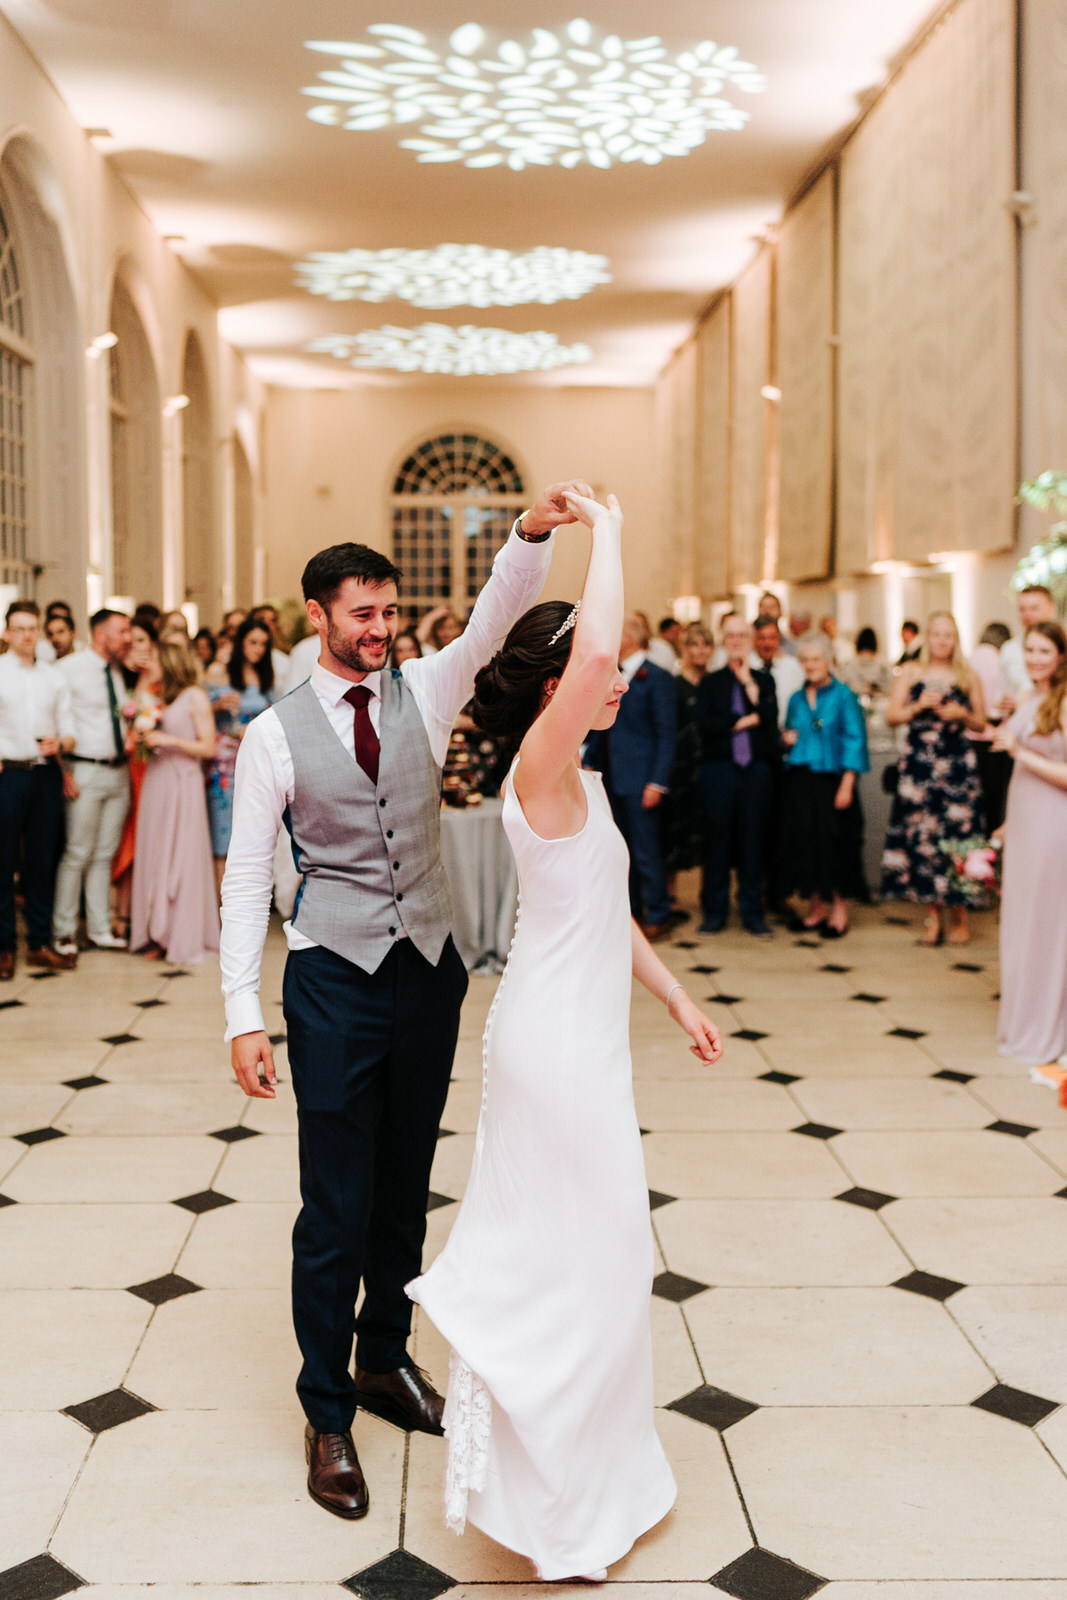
x,y
737,802
31,816
371,1058
649,900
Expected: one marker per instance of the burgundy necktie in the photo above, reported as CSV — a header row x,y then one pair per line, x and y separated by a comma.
x,y
367,747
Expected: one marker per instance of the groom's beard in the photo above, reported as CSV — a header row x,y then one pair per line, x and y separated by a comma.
x,y
356,656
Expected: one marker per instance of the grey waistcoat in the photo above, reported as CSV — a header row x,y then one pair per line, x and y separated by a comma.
x,y
370,858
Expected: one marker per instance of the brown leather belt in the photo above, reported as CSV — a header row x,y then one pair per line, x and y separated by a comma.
x,y
101,761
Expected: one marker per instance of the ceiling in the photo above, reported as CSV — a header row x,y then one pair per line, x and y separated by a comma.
x,y
207,120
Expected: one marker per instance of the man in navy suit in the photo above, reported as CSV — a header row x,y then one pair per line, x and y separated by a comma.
x,y
636,757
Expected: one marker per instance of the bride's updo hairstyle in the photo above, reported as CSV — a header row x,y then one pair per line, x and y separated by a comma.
x,y
509,690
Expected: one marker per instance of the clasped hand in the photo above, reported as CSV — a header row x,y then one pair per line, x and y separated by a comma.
x,y
550,510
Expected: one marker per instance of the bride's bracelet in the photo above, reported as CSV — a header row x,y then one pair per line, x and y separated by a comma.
x,y
670,991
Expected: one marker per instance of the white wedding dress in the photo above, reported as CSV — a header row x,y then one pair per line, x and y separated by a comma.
x,y
542,1290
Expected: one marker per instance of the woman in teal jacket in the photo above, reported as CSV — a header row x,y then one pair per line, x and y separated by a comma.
x,y
826,746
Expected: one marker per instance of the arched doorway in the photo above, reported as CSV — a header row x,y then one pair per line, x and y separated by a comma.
x,y
202,576
244,528
454,499
136,456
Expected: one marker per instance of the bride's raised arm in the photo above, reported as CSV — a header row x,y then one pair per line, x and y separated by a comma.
x,y
574,701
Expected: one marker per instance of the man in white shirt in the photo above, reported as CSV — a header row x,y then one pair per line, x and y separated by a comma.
x,y
98,791
35,726
771,606
663,649
1036,604
351,762
768,651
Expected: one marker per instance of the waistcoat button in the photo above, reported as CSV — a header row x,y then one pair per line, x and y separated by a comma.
x,y
388,833
396,866
381,802
392,932
399,898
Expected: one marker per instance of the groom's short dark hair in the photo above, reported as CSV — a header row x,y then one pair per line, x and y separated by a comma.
x,y
327,571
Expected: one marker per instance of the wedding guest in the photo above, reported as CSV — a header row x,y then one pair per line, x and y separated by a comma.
x,y
842,649
406,647
681,813
238,694
867,674
36,725
1035,604
141,711
799,625
97,787
437,628
1033,913
939,796
174,909
173,626
664,648
60,635
268,614
911,644
768,655
636,756
231,621
784,668
737,714
769,605
826,739
994,765
204,648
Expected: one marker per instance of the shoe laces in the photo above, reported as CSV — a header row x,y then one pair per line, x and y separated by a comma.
x,y
335,1446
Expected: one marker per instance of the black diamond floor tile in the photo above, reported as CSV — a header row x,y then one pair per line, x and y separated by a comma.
x,y
6,1200
9,1005
779,1077
761,1575
1018,1130
278,1038
750,1034
206,1200
905,1033
148,1005
39,1136
869,999
446,1133
434,1202
42,977
109,1410
807,944
91,1082
686,944
966,966
898,922
400,1576
927,1284
655,1199
817,1130
870,1199
644,1132
953,1077
831,967
1016,1405
179,972
1061,1194
725,999
120,1038
672,1286
157,1291
704,969
714,1407
40,1578
234,1135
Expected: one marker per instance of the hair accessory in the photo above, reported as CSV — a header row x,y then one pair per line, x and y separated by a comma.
x,y
567,625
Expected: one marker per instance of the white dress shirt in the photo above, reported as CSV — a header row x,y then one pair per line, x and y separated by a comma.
x,y
85,677
661,655
441,685
302,657
34,704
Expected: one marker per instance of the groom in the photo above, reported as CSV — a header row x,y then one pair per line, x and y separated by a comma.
x,y
350,763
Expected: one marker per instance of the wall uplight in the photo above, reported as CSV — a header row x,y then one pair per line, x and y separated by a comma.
x,y
453,275
176,403
102,342
458,352
556,99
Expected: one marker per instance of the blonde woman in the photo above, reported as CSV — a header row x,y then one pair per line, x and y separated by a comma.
x,y
939,796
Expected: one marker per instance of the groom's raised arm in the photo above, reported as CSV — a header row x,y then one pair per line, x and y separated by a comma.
x,y
443,683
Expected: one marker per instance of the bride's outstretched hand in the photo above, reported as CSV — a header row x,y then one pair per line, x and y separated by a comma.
x,y
585,509
707,1040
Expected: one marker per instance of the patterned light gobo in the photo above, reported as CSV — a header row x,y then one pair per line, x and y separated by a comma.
x,y
453,275
555,100
458,352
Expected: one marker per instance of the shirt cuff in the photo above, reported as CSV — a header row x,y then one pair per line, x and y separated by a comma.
x,y
660,788
244,1014
533,557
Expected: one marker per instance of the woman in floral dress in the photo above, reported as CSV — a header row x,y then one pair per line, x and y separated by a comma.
x,y
939,795
238,692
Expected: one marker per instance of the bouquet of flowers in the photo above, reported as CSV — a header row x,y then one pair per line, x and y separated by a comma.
x,y
974,869
142,714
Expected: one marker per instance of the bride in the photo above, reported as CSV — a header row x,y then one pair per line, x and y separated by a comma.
x,y
543,1288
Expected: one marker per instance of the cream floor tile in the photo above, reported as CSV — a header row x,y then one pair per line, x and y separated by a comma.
x,y
785,984
1052,1145
62,1346
220,1350
202,1021
245,1246
697,1166
677,1370
105,1170
467,1062
946,1589
777,1243
1021,1332
11,1153
463,1105
211,1591
844,1019
903,1493
30,1105
438,1227
452,1165
567,1591
658,1058
79,1018
157,1503
40,1455
43,1058
267,1168
846,1056
1053,1434
273,1116
984,1241
90,1246
945,1163
153,1108
1017,1100
975,1053
472,1556
169,1060
834,1347
889,1103
663,1104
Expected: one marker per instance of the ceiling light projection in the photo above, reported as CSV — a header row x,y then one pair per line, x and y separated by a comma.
x,y
555,100
457,352
453,275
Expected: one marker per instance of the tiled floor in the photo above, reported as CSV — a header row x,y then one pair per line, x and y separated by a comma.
x,y
860,1319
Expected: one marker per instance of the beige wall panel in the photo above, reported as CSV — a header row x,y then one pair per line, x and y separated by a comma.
x,y
1045,242
713,454
804,297
926,394
751,371
683,485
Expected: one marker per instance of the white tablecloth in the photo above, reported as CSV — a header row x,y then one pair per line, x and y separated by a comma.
x,y
481,874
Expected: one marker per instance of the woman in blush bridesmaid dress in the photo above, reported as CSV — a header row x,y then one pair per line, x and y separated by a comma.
x,y
542,1290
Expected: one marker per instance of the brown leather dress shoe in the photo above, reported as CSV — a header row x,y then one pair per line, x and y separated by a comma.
x,y
7,965
44,957
656,932
404,1397
335,1477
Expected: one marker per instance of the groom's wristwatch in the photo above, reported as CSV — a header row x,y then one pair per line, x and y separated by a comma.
x,y
529,538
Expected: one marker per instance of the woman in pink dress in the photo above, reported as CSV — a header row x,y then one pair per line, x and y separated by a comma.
x,y
1033,919
174,909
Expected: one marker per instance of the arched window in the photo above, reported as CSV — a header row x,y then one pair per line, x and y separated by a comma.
x,y
454,500
16,366
136,483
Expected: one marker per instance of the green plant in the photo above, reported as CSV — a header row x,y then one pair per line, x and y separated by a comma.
x,y
1046,562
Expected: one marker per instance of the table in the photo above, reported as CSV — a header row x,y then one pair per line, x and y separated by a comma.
x,y
481,874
